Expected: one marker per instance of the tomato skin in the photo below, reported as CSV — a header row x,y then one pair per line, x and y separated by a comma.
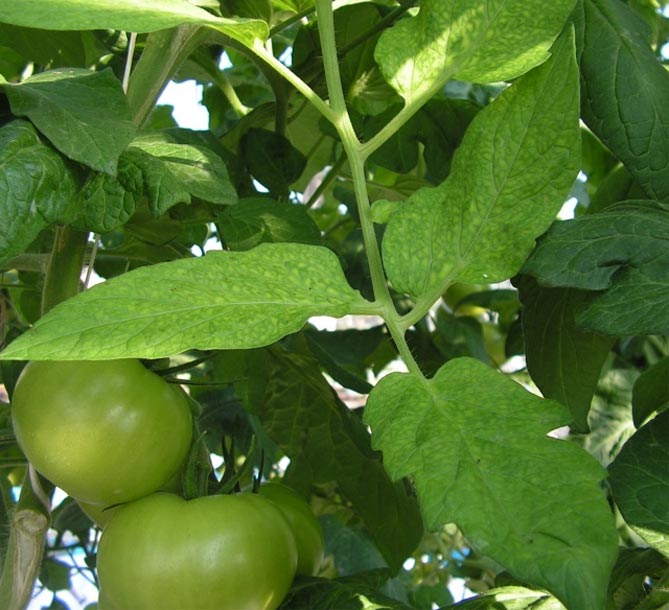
x,y
225,552
104,431
303,523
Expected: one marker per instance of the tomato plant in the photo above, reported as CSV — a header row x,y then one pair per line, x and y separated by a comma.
x,y
226,552
105,431
303,523
367,162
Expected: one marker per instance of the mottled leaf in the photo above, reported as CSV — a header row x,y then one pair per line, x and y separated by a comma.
x,y
625,91
36,188
508,179
225,300
640,482
563,360
475,40
84,114
550,527
620,253
129,15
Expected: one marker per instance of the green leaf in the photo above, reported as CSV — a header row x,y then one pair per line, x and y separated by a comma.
x,y
508,180
36,188
48,48
128,15
610,416
625,89
272,159
257,220
345,593
530,502
225,300
634,566
199,170
107,202
84,114
640,482
511,598
439,126
481,41
302,414
563,360
621,254
651,391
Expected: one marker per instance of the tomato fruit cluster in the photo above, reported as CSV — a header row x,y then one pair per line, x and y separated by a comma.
x,y
106,432
112,433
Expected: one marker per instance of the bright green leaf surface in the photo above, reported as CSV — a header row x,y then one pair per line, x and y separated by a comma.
x,y
225,300
563,360
508,179
625,91
36,189
475,40
640,482
129,15
497,477
84,114
199,170
620,252
302,414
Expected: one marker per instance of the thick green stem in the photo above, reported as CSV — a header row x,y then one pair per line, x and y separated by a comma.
x,y
64,269
163,54
356,158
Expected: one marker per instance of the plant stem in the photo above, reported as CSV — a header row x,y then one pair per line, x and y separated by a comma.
x,y
64,267
356,158
223,83
260,52
29,524
163,53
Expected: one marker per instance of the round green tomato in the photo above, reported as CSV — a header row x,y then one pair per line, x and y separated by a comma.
x,y
303,523
226,552
104,431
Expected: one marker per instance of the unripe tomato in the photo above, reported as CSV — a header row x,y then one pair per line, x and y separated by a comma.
x,y
303,523
104,431
225,552
100,514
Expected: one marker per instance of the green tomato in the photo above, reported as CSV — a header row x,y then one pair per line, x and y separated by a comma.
x,y
225,552
100,514
106,432
303,523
